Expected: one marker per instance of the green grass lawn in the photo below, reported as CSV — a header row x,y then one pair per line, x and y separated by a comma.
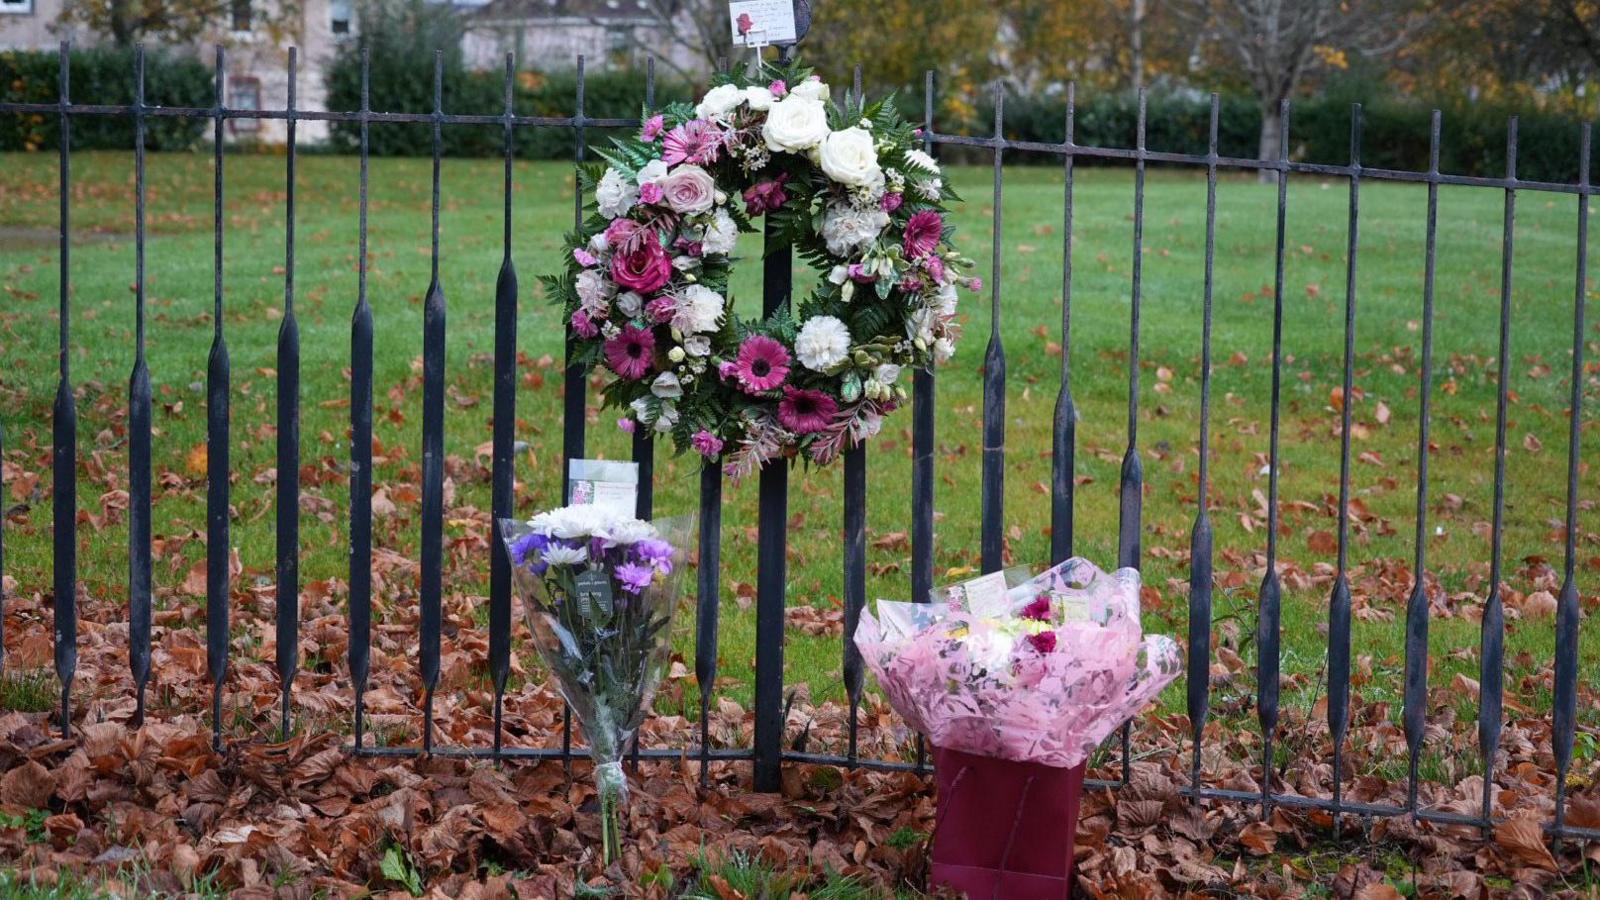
x,y
1389,291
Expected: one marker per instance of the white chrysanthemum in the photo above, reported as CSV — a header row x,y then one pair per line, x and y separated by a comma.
x,y
721,234
920,160
849,157
699,310
795,124
631,531
557,555
571,522
719,101
930,189
823,342
615,194
848,228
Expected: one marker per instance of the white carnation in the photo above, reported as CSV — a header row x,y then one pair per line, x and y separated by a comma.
x,y
795,124
920,160
615,194
850,158
719,101
823,342
811,89
930,189
848,228
721,234
653,171
699,310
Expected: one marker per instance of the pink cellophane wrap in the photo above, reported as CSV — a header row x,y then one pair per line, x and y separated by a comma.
x,y
973,684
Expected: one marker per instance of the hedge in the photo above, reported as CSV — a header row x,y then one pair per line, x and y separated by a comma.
x,y
1395,131
102,75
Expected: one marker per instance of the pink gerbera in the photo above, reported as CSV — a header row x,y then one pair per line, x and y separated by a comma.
x,y
631,353
583,326
807,411
696,141
762,365
923,230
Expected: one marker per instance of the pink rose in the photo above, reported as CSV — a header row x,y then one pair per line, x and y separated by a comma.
x,y
646,270
689,190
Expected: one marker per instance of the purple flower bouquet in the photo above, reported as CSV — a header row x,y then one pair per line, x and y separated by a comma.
x,y
599,591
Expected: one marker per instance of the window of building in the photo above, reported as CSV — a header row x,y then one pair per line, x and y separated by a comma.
x,y
16,7
339,16
241,15
244,92
617,39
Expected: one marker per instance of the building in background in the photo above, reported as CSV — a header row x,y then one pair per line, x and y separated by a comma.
x,y
552,34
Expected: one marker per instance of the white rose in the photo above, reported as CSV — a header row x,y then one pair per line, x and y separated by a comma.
x,y
653,171
795,124
630,303
614,194
699,310
812,88
666,386
718,101
720,235
759,98
823,342
849,158
848,228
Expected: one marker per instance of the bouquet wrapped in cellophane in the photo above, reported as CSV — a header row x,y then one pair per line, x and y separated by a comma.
x,y
599,591
1041,673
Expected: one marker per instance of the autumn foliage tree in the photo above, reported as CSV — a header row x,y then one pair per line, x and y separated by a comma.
x,y
128,22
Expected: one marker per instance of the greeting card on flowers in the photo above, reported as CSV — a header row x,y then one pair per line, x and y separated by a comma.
x,y
612,486
984,596
757,23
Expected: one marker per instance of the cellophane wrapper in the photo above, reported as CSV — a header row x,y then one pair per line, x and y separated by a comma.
x,y
982,685
607,653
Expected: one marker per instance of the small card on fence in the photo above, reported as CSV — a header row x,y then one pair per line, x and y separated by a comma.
x,y
612,486
757,23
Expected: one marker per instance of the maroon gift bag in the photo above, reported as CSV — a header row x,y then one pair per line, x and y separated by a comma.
x,y
1004,829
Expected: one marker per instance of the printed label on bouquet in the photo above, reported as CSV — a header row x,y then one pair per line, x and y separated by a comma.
x,y
757,23
984,597
594,590
612,486
1077,607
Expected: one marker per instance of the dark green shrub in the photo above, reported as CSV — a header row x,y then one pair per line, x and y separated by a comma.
x,y
102,76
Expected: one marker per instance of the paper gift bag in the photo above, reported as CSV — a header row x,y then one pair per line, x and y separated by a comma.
x,y
1004,829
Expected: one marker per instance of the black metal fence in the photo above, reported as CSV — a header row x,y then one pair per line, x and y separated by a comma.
x,y
768,752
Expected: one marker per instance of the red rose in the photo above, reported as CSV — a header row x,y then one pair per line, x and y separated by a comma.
x,y
646,270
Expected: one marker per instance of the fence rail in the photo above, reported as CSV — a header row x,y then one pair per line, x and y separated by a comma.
x,y
768,753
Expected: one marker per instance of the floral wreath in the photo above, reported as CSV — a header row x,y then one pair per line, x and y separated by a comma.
x,y
646,282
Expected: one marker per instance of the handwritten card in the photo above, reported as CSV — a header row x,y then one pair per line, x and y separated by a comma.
x,y
983,597
757,23
612,486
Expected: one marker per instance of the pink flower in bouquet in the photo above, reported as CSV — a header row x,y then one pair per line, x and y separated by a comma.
x,y
766,196
778,88
1038,610
583,326
706,444
621,232
858,274
691,248
891,202
646,269
631,353
661,309
911,284
584,257
807,411
650,192
763,364
626,425
922,233
934,266
689,189
652,128
975,284
1044,641
696,141
726,369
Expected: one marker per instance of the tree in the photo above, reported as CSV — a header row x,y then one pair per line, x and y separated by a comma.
x,y
896,41
128,22
1107,44
1275,43
1541,50
701,26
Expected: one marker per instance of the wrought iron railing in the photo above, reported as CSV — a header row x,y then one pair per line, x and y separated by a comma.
x,y
768,752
